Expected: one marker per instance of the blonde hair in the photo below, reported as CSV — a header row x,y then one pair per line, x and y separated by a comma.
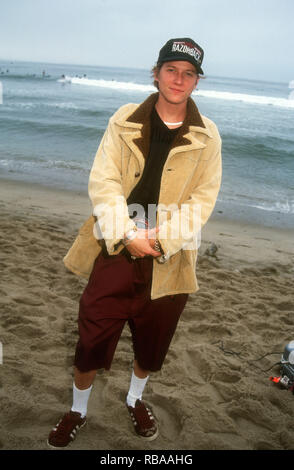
x,y
155,71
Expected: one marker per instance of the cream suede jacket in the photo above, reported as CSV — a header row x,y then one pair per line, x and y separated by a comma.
x,y
191,176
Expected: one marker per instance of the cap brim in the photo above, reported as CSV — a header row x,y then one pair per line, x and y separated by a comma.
x,y
173,58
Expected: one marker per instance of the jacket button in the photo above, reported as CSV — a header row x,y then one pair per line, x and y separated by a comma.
x,y
137,174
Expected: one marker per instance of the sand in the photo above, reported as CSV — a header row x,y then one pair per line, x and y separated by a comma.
x,y
212,392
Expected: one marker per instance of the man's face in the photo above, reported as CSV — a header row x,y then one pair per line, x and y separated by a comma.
x,y
176,81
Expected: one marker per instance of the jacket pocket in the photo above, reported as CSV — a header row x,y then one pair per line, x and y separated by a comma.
x,y
82,254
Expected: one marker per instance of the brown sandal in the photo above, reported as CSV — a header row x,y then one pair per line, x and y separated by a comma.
x,y
143,421
65,430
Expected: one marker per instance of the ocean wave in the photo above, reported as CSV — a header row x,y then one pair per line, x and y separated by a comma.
x,y
26,76
20,164
113,84
39,104
212,94
281,207
245,98
261,148
286,207
63,128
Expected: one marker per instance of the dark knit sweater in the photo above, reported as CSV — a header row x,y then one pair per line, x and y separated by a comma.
x,y
147,190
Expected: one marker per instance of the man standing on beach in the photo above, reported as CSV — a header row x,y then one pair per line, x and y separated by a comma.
x,y
157,165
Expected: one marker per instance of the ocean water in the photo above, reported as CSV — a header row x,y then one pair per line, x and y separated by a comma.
x,y
52,118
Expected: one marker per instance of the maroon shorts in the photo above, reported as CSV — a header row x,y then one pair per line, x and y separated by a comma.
x,y
118,291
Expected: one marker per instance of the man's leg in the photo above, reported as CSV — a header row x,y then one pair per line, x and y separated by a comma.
x,y
84,380
139,379
142,417
82,387
102,316
66,429
152,331
139,372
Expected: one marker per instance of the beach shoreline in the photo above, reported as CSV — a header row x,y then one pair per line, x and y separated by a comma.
x,y
75,207
210,394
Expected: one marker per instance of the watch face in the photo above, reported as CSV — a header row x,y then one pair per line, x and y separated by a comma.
x,y
141,222
131,234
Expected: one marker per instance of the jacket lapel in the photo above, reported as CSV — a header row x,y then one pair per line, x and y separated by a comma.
x,y
142,116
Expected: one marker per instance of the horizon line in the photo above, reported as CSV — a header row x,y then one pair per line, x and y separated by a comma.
x,y
136,68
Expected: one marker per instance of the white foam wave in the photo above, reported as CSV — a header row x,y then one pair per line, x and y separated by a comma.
x,y
114,84
30,105
212,94
284,208
245,98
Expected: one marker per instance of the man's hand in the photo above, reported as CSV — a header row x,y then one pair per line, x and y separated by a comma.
x,y
143,244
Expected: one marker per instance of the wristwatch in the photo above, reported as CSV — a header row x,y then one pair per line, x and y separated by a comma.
x,y
164,257
157,246
130,236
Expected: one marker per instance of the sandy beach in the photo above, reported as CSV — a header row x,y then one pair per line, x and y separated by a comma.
x,y
213,391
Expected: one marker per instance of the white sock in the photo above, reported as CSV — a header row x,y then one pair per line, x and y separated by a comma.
x,y
80,400
136,389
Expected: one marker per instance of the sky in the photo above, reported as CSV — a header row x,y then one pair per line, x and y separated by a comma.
x,y
241,38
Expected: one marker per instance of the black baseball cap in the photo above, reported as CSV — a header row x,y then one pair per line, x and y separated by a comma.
x,y
182,49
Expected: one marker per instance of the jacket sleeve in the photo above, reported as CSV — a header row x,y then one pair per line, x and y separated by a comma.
x,y
106,191
183,229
